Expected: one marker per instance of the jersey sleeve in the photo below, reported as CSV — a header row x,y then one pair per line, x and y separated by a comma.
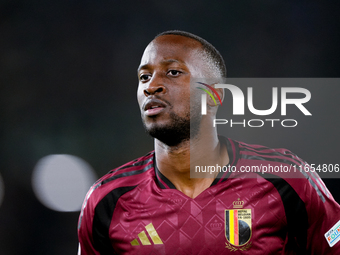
x,y
85,222
323,234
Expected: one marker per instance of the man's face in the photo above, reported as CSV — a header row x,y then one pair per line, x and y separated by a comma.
x,y
163,93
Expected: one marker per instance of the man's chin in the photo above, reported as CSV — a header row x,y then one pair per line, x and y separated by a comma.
x,y
169,135
173,130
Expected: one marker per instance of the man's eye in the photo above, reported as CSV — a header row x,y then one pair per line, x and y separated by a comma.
x,y
174,72
144,77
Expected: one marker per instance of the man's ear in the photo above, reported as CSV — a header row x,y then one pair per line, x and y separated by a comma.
x,y
220,92
218,99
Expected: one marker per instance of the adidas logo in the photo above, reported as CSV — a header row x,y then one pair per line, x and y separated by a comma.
x,y
144,238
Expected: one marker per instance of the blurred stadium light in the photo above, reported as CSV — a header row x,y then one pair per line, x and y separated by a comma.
x,y
60,181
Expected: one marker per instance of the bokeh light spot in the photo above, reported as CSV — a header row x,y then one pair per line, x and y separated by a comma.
x,y
60,181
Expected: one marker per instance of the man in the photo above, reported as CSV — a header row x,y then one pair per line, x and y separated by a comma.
x,y
152,206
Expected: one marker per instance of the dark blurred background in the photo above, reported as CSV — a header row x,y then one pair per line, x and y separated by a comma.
x,y
68,86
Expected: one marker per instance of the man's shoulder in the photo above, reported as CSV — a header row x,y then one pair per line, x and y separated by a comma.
x,y
126,176
136,164
257,152
281,167
129,170
262,149
271,162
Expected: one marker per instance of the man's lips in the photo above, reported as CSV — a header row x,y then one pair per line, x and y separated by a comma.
x,y
153,107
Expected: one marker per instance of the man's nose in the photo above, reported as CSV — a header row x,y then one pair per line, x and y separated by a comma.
x,y
155,86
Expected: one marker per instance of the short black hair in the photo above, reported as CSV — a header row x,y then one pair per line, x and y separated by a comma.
x,y
208,48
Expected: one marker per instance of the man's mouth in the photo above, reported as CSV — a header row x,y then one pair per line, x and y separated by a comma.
x,y
153,107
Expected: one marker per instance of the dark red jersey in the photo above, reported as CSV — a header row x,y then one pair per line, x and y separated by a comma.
x,y
134,209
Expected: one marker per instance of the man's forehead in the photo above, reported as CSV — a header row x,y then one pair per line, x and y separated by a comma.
x,y
177,40
171,46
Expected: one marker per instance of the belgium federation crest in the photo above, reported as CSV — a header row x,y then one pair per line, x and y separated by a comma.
x,y
238,229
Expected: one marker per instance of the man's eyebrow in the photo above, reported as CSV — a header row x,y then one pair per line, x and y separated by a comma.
x,y
166,61
142,67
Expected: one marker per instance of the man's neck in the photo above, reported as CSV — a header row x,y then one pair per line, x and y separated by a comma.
x,y
175,162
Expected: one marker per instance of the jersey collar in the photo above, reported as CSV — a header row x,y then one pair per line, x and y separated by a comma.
x,y
233,153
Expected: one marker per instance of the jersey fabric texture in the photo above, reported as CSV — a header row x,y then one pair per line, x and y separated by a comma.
x,y
134,209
